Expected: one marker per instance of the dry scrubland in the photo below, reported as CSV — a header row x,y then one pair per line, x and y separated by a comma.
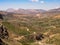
x,y
21,27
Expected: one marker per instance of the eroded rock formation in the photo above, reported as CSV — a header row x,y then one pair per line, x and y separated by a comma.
x,y
3,34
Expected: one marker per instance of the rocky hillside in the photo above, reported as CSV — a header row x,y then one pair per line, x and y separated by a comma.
x,y
27,29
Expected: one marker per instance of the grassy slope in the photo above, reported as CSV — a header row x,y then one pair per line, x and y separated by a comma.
x,y
36,25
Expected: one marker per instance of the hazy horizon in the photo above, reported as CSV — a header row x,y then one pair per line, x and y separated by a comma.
x,y
29,4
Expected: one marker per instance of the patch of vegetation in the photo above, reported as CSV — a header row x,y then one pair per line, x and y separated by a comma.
x,y
15,29
35,25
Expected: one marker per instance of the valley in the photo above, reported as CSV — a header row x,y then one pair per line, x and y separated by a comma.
x,y
30,29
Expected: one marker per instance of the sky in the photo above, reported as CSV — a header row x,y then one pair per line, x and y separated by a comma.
x,y
29,4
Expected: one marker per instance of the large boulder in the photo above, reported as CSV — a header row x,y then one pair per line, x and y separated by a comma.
x,y
37,37
3,32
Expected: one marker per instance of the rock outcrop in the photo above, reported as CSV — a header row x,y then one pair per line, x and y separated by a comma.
x,y
3,34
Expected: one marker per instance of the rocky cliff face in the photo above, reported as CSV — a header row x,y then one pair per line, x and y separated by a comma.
x,y
3,34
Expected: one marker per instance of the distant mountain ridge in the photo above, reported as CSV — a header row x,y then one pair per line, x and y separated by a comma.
x,y
10,12
32,11
26,11
57,9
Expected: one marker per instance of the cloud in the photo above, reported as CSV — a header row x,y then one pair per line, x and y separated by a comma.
x,y
34,0
42,2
